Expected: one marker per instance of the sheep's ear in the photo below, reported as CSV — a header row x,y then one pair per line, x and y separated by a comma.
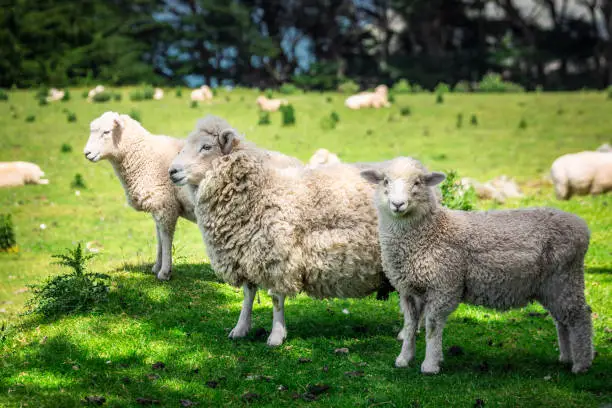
x,y
434,178
228,139
373,176
119,122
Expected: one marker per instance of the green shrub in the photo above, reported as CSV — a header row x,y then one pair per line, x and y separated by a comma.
x,y
459,120
75,292
405,111
348,87
522,124
416,88
43,101
609,91
214,91
66,96
454,196
269,94
134,114
103,96
30,118
327,123
3,95
42,92
264,119
288,114
474,120
288,89
439,98
136,95
329,99
7,234
85,94
179,92
66,148
462,87
117,96
391,98
334,116
148,92
71,117
442,88
401,86
194,104
78,181
492,82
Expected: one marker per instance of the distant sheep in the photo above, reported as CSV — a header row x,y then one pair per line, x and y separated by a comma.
x,y
605,148
499,189
582,173
55,95
158,95
202,94
322,157
141,162
13,174
93,92
438,258
377,99
269,105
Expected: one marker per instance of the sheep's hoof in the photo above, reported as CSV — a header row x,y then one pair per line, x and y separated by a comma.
x,y
402,361
430,368
164,276
155,269
563,359
239,332
580,368
276,338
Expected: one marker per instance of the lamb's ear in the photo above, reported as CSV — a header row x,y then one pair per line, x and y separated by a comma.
x,y
434,178
228,139
372,175
118,122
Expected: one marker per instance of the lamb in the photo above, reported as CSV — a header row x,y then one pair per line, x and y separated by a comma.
x,y
202,94
141,161
269,105
289,230
376,99
158,95
13,174
55,95
500,259
582,173
322,157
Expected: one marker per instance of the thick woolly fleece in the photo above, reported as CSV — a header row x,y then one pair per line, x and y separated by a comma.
x,y
582,173
500,259
141,162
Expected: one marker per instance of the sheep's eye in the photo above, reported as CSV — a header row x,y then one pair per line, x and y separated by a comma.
x,y
106,132
417,183
385,182
205,147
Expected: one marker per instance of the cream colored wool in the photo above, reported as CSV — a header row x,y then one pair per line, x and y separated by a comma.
x,y
269,105
582,173
437,258
141,161
376,99
14,174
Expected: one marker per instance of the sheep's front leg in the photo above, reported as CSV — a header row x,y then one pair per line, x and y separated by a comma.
x,y
436,314
158,258
279,331
244,321
410,307
166,227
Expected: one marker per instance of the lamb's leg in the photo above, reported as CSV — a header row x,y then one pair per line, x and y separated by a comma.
x,y
565,351
418,303
244,321
581,341
279,331
166,227
436,314
158,258
408,333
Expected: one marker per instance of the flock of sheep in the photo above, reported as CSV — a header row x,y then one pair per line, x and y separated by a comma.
x,y
332,229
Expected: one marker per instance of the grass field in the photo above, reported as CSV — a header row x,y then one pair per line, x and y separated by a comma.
x,y
507,359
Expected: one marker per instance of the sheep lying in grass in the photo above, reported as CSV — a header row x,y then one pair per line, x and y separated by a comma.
x,y
158,94
288,230
582,173
499,189
93,92
141,161
55,95
500,259
322,157
269,105
202,94
14,174
376,99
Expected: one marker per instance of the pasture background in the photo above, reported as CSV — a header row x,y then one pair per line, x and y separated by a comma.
x,y
510,359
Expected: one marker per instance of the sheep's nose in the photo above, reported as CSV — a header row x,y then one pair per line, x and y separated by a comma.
x,y
396,205
87,153
172,171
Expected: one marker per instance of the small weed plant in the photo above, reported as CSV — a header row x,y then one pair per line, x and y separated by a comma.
x,y
455,196
288,115
7,234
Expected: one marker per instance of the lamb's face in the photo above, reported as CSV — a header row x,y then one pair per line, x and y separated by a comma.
x,y
104,136
403,186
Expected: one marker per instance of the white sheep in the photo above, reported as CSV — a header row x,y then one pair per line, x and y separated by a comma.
x,y
141,161
202,94
288,230
582,173
377,99
501,259
269,105
13,174
158,95
93,92
322,157
55,95
499,189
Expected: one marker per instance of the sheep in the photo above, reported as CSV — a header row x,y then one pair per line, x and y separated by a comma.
x,y
606,148
269,105
14,174
158,95
501,259
289,230
376,99
55,95
498,189
582,173
202,94
93,92
141,161
322,157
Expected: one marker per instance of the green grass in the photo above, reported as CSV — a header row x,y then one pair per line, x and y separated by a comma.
x,y
509,359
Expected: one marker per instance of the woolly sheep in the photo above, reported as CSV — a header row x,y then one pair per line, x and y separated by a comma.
x,y
498,189
288,230
500,259
141,161
202,94
13,174
55,95
93,92
376,99
269,105
582,173
158,95
322,157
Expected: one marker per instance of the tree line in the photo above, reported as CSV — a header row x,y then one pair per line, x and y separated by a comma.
x,y
316,44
